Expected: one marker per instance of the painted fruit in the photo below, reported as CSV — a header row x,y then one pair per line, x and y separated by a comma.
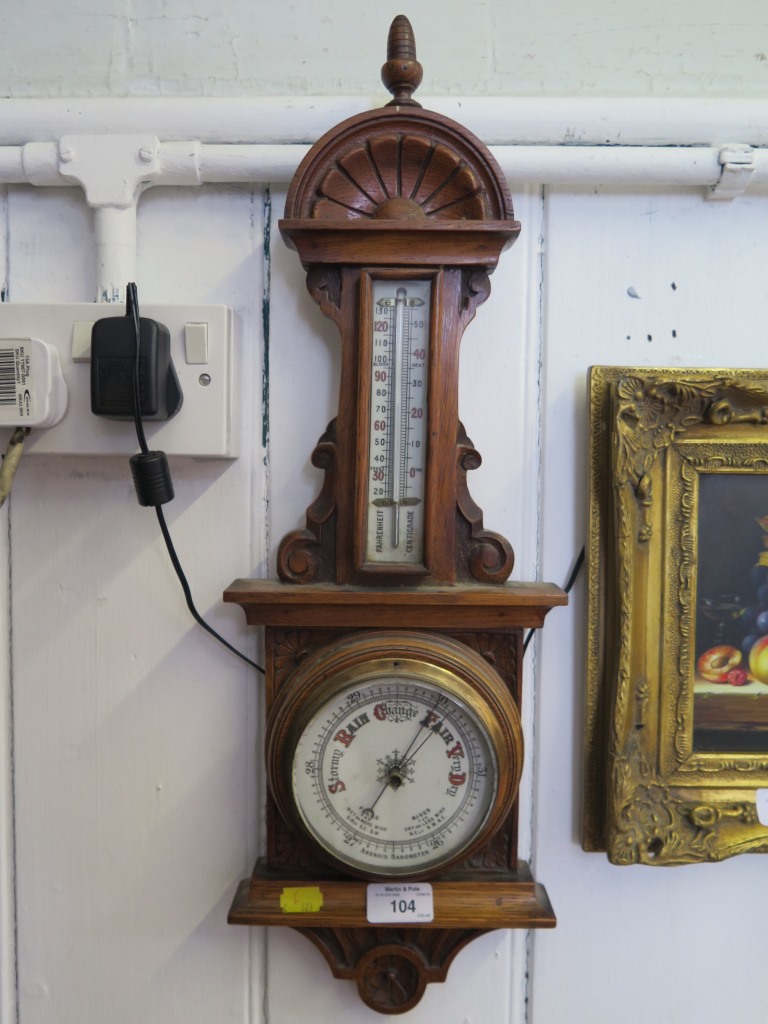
x,y
738,677
758,660
749,642
715,664
749,616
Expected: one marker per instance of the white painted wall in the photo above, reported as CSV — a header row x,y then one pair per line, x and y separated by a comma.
x,y
129,806
257,47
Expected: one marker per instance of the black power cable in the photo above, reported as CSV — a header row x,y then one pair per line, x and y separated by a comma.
x,y
152,480
567,588
154,487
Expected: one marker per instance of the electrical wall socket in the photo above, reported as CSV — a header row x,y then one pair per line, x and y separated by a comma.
x,y
201,349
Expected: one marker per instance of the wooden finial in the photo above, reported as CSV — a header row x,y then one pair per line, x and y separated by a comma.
x,y
402,73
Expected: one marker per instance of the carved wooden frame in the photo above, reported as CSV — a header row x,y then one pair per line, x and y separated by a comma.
x,y
650,797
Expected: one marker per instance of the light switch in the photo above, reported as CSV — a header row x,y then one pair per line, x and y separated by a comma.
x,y
196,342
81,341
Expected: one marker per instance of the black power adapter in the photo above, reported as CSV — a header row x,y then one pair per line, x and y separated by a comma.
x,y
132,376
113,355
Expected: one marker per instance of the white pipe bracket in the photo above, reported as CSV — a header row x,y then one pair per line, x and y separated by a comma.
x,y
112,170
737,163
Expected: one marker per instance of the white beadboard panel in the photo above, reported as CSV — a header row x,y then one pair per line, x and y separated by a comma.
x,y
499,406
201,243
633,943
53,227
303,385
130,751
137,809
498,390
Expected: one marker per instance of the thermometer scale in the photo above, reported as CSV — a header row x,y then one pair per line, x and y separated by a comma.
x,y
399,420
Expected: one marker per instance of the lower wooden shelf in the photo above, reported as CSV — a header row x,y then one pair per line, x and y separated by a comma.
x,y
506,901
391,964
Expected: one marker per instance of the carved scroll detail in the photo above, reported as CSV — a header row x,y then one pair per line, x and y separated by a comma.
x,y
499,650
494,856
289,851
650,414
476,287
309,555
482,555
324,285
293,645
654,824
392,966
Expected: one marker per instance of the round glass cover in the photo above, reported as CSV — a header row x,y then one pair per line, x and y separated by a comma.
x,y
394,774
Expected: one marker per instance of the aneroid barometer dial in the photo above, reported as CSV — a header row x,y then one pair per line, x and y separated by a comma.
x,y
396,753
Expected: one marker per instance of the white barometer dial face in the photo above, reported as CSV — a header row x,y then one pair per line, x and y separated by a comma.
x,y
393,774
397,442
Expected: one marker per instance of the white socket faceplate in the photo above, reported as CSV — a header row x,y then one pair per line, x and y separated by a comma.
x,y
202,352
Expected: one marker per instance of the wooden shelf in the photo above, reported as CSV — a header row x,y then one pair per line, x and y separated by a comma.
x,y
271,603
507,902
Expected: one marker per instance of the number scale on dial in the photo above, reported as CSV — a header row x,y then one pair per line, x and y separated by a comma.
x,y
399,421
398,779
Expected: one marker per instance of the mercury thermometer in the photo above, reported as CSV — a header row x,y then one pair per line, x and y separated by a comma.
x,y
397,449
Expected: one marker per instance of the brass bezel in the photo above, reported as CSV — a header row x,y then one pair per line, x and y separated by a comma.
x,y
462,673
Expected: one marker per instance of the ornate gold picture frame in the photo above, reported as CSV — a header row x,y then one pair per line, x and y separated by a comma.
x,y
677,672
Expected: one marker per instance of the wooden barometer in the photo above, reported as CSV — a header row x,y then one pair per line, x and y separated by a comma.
x,y
393,639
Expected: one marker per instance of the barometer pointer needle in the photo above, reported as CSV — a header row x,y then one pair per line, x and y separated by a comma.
x,y
404,759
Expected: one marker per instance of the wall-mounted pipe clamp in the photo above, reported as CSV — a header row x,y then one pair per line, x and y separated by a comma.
x,y
737,164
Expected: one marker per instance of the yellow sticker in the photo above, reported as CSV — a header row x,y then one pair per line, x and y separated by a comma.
x,y
305,900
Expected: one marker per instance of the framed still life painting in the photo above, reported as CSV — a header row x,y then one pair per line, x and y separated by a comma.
x,y
677,667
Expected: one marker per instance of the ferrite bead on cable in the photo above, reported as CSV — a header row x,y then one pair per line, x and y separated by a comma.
x,y
152,478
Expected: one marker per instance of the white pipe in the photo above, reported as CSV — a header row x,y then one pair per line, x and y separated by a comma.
x,y
112,148
12,164
115,230
250,162
639,166
693,166
498,120
192,163
610,165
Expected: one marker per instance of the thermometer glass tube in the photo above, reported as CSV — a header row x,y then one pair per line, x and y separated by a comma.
x,y
397,448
